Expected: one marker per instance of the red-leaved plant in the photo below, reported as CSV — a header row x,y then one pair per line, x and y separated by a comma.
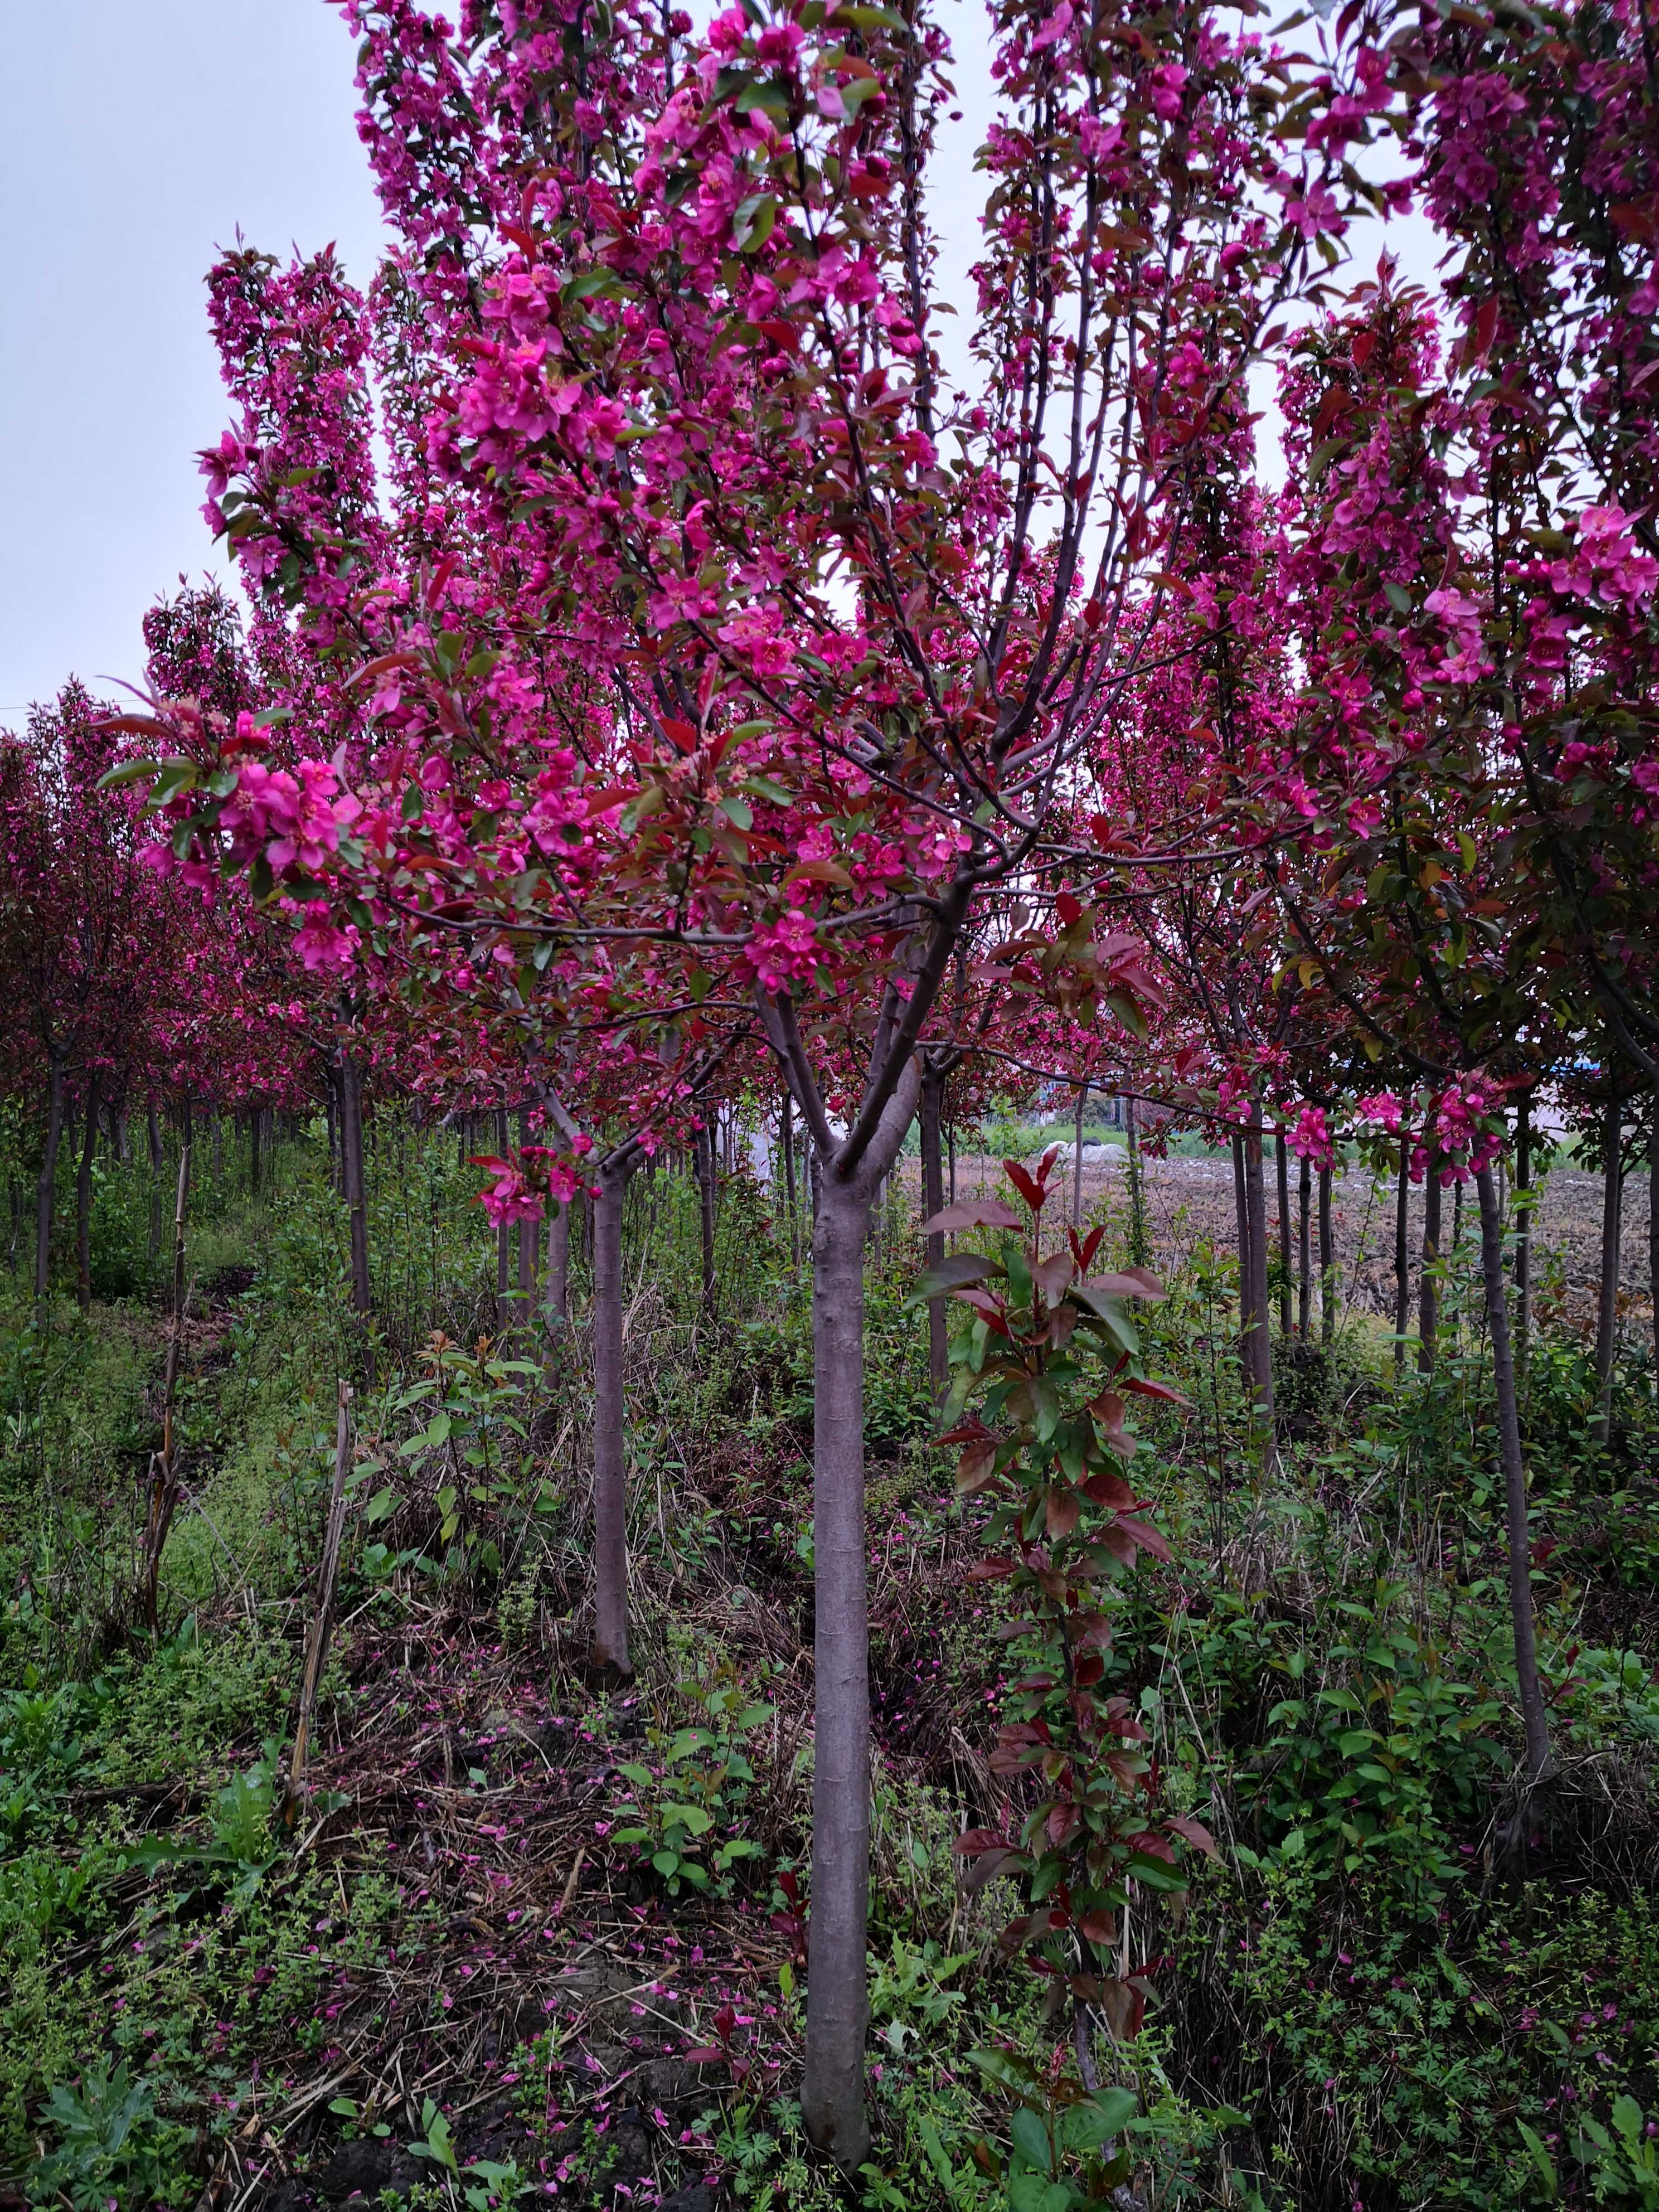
x,y
1048,1445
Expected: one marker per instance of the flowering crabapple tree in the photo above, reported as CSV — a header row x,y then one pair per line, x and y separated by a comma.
x,y
708,617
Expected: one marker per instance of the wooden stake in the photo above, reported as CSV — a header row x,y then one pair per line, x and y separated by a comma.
x,y
323,1618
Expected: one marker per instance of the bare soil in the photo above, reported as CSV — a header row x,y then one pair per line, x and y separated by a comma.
x,y
1190,1202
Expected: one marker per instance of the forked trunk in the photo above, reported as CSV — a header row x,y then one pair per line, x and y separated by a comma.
x,y
83,1201
1607,1313
1428,1296
47,1190
351,1175
837,2001
932,1202
1533,1715
608,1656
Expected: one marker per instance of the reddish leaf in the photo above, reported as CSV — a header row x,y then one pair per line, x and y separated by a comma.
x,y
1031,1192
1063,1512
1142,1533
973,1213
1144,1389
1069,909
1195,1831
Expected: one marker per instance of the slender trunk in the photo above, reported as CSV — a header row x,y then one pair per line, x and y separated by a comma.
x,y
530,1252
837,2002
254,1178
1428,1296
705,1162
558,1263
218,1145
336,1179
503,1241
1402,1261
153,1129
1525,1231
1282,1177
1077,1159
787,1145
1137,1189
932,1202
84,1201
607,1655
351,1176
1327,1259
186,1123
1533,1715
47,1190
1246,1272
1606,1315
164,1466
117,1136
1255,1194
950,1160
1303,1248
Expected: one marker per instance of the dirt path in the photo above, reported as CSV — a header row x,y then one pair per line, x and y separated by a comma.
x,y
1190,1202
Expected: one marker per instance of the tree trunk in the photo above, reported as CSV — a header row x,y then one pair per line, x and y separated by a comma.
x,y
336,1176
1246,1272
503,1241
1523,1227
1282,1170
218,1145
1077,1159
705,1164
950,1161
1255,1195
47,1190
1653,1232
351,1176
117,1136
1327,1259
1533,1713
932,1202
558,1263
530,1250
1304,1248
1607,1313
1137,1192
787,1146
153,1129
1402,1258
1428,1296
837,2002
253,1165
84,1201
608,1656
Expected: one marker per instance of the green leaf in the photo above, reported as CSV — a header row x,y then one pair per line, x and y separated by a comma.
x,y
129,772
1100,2117
1031,2140
1398,597
691,1818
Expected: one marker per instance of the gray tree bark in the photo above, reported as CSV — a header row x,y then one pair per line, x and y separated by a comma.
x,y
1533,1717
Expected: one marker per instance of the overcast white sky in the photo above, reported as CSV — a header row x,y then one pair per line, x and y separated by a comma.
x,y
136,136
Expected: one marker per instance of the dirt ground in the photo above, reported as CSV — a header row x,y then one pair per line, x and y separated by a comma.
x,y
1190,1202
